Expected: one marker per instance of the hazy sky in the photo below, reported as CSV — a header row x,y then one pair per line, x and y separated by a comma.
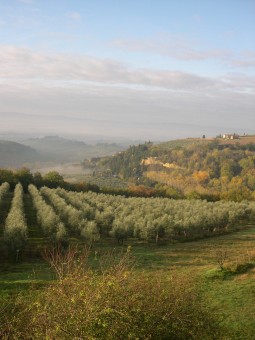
x,y
141,68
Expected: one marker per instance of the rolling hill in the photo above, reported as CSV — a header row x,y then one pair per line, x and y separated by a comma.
x,y
51,149
14,154
58,149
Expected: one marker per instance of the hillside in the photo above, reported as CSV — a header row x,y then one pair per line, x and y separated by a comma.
x,y
51,149
16,154
201,168
59,149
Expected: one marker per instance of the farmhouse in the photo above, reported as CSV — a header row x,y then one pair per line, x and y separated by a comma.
x,y
230,136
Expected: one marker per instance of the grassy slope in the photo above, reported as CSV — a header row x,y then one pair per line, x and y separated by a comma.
x,y
184,142
181,143
234,295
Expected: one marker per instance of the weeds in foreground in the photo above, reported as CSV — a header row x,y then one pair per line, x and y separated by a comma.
x,y
113,302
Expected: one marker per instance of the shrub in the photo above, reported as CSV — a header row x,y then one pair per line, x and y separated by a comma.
x,y
113,303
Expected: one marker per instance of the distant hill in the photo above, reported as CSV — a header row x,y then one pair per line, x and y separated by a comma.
x,y
15,154
51,149
58,149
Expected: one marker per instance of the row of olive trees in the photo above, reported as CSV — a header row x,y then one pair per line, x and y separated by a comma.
x,y
78,224
4,188
100,219
156,218
15,231
47,218
73,199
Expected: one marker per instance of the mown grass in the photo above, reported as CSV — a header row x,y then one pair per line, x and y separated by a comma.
x,y
19,277
234,299
200,255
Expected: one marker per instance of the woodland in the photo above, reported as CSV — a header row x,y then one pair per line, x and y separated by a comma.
x,y
207,169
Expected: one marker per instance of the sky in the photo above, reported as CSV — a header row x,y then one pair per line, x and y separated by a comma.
x,y
144,69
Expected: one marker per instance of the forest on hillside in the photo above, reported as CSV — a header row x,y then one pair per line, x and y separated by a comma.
x,y
191,169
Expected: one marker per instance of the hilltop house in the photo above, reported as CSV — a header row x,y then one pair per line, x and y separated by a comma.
x,y
230,136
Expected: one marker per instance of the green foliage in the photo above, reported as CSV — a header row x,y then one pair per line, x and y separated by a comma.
x,y
62,213
106,182
75,219
128,164
25,177
193,168
116,304
53,179
170,263
38,179
152,219
15,232
47,218
237,194
168,191
7,176
4,188
90,231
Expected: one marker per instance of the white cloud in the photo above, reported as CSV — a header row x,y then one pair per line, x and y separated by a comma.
x,y
179,48
246,60
23,63
172,46
121,99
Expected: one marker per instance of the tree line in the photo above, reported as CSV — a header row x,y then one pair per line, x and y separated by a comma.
x,y
52,179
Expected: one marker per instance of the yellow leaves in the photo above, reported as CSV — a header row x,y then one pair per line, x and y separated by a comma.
x,y
171,166
236,181
155,161
201,176
126,274
141,190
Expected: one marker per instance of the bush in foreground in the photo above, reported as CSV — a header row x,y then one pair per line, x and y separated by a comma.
x,y
111,303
